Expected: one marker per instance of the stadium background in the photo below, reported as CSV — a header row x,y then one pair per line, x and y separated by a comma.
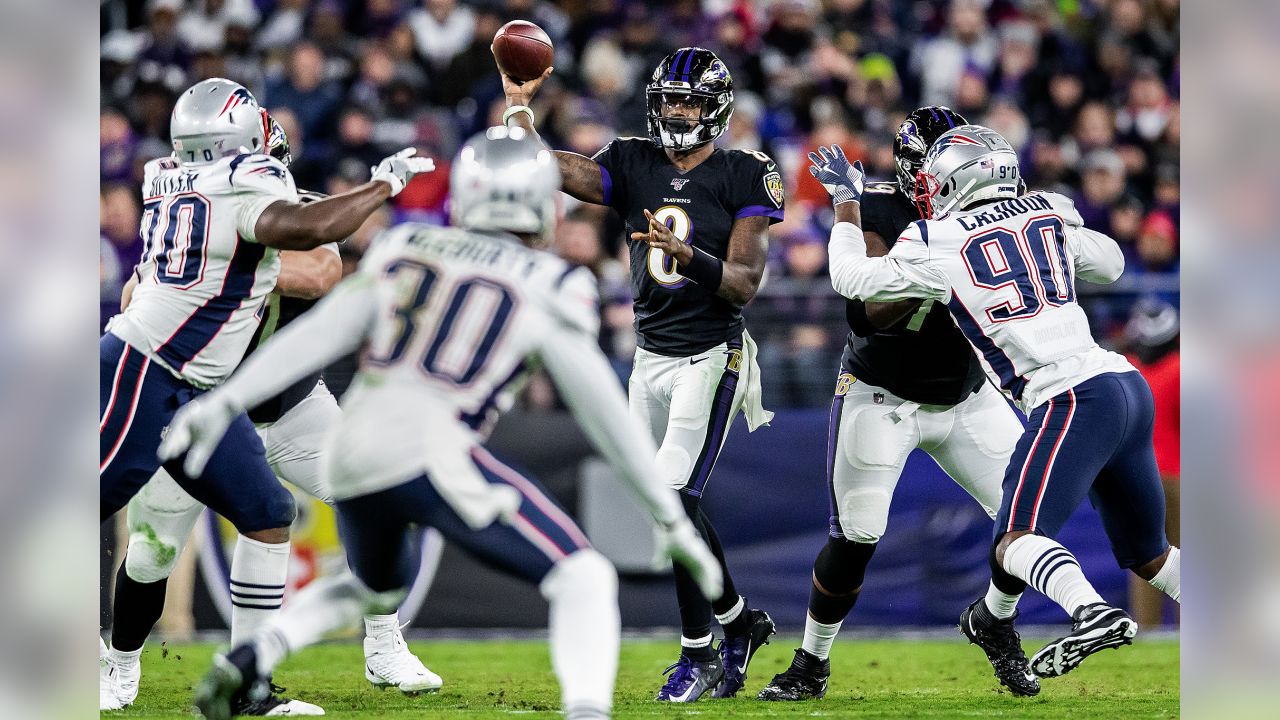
x,y
1087,91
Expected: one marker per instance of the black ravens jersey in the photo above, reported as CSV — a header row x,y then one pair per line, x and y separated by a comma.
x,y
674,316
922,357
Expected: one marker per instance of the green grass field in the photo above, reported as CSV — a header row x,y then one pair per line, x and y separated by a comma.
x,y
870,679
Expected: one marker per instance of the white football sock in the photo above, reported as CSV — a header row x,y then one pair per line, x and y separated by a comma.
x,y
582,590
379,625
1052,569
819,636
733,613
688,642
125,660
1169,579
259,572
325,606
1001,604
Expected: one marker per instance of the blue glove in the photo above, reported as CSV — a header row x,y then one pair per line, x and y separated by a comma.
x,y
844,182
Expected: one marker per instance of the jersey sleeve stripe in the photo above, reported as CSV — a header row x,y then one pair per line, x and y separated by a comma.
x,y
207,321
757,211
924,231
1009,378
606,182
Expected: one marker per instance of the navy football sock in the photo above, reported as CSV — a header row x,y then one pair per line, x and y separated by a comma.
x,y
136,609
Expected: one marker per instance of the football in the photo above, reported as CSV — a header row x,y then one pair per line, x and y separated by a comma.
x,y
523,50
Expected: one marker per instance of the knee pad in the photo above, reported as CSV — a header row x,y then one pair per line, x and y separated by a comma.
x,y
674,465
864,514
157,536
842,565
583,572
151,558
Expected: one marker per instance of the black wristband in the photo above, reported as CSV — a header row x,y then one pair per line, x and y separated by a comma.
x,y
704,269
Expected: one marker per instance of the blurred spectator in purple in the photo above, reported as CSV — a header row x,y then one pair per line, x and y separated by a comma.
x,y
441,30
203,26
327,29
785,45
473,73
116,146
1019,48
967,47
1102,183
308,93
380,17
164,57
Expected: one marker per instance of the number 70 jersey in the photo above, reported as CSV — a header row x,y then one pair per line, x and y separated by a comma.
x,y
1011,268
203,276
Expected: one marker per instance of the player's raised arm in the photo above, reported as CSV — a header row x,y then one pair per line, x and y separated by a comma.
x,y
297,226
580,176
903,273
335,327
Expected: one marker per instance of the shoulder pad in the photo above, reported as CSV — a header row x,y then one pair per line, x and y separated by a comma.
x,y
157,166
576,298
1064,206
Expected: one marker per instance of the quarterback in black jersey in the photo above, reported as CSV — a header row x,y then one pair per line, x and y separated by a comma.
x,y
908,379
292,426
697,219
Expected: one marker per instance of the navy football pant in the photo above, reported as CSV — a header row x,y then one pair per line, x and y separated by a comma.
x,y
137,399
375,529
1093,440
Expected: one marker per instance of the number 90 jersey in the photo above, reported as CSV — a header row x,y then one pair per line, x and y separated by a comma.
x,y
203,276
676,317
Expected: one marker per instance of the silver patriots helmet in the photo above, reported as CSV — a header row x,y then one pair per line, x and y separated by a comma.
x,y
965,166
215,118
504,179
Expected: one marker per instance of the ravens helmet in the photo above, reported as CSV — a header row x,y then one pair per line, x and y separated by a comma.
x,y
690,75
915,135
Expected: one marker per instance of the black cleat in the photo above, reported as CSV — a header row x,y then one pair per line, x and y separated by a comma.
x,y
1097,627
736,653
273,705
689,679
233,687
806,679
1003,647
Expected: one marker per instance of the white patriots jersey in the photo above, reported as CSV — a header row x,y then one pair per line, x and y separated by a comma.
x,y
1007,273
203,276
461,319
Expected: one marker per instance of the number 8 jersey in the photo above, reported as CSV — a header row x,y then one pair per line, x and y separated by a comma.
x,y
1006,272
203,276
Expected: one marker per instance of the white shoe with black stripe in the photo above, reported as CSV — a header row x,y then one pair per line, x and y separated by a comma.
x,y
1097,627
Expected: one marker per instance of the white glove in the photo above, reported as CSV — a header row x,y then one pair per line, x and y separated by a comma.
x,y
196,429
682,543
397,170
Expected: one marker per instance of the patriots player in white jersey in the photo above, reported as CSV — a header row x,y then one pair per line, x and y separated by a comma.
x,y
451,320
1005,264
292,425
216,215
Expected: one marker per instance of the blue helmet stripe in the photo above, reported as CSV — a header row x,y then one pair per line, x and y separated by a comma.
x,y
687,63
950,123
675,62
934,112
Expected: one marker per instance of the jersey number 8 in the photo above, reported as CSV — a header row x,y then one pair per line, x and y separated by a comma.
x,y
662,267
476,313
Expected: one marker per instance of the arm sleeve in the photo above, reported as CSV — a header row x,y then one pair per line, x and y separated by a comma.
x,y
335,327
1097,258
593,394
258,182
613,173
906,272
764,194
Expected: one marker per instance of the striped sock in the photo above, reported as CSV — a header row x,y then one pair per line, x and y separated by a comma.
x,y
258,574
1052,569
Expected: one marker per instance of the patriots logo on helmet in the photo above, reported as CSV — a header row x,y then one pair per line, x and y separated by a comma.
x,y
238,97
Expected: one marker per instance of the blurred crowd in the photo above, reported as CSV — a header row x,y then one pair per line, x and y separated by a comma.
x,y
1086,90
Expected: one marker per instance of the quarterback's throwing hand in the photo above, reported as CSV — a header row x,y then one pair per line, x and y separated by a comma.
x,y
196,429
685,546
397,170
844,182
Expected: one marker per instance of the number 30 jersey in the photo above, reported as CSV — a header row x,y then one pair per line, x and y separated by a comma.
x,y
1006,272
674,316
203,276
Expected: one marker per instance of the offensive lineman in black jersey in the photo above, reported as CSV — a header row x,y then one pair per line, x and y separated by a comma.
x,y
697,219
908,379
292,426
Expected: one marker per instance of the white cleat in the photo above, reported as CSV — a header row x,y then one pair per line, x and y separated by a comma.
x,y
388,663
117,685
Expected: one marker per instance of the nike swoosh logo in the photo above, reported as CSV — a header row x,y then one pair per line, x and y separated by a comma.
x,y
695,361
746,659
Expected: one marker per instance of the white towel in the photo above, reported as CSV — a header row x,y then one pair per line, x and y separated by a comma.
x,y
752,402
